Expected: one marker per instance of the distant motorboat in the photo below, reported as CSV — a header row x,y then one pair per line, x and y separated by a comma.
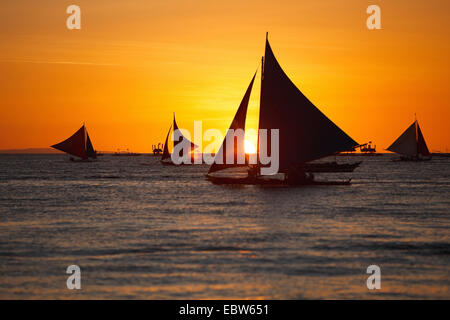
x,y
365,150
157,149
78,145
411,145
126,153
265,181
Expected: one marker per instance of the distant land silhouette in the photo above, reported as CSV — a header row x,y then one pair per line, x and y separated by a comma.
x,y
37,151
53,151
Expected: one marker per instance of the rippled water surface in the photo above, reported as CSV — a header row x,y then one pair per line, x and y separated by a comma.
x,y
141,230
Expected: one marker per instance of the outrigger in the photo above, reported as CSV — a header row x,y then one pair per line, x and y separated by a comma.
x,y
261,180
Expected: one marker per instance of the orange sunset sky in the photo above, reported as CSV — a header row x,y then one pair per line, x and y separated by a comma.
x,y
134,62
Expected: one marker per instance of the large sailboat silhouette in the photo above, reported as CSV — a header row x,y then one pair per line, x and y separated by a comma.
x,y
305,133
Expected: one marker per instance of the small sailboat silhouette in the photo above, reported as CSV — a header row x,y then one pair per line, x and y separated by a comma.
x,y
305,133
166,156
411,144
79,145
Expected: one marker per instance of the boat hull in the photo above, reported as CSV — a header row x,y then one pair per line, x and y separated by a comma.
x,y
271,182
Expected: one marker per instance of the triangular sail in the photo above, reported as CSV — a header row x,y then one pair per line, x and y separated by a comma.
x,y
422,148
75,145
406,144
305,133
237,123
166,153
90,152
183,138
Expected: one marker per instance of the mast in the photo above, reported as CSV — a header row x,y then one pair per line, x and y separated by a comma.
x,y
262,78
85,136
417,136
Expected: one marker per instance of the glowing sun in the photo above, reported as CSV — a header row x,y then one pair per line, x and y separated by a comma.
x,y
249,147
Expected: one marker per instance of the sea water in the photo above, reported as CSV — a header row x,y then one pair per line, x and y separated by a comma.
x,y
138,229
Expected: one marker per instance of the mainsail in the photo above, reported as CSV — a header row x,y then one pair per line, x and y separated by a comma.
x,y
182,138
422,148
305,133
406,144
166,153
237,123
79,145
411,142
90,152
